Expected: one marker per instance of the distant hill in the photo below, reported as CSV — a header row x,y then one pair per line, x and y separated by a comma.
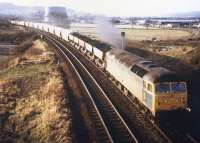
x,y
25,11
15,10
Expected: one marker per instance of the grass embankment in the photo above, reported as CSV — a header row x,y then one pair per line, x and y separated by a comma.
x,y
170,53
33,102
15,38
22,40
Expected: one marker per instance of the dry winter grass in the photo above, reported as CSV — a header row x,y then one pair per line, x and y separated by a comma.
x,y
33,101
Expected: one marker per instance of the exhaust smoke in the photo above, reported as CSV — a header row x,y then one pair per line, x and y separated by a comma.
x,y
108,33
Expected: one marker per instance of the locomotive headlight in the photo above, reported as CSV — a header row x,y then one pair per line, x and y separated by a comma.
x,y
179,100
163,100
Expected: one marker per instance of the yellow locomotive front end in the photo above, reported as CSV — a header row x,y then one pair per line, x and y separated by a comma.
x,y
164,92
170,96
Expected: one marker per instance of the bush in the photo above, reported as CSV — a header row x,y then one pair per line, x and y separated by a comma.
x,y
16,38
195,60
24,46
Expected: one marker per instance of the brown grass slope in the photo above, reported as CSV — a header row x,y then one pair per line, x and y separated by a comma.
x,y
33,101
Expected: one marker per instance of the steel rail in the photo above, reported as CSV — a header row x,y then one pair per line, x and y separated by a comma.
x,y
104,133
124,133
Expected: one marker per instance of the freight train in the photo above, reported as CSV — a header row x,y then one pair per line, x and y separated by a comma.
x,y
156,88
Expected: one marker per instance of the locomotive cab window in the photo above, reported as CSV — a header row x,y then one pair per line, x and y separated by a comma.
x,y
178,87
149,87
163,88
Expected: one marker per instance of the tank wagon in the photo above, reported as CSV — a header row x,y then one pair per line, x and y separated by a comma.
x,y
154,87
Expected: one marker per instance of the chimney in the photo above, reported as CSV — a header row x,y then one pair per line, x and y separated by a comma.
x,y
123,39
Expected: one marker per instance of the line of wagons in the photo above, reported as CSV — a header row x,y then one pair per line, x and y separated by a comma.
x,y
156,88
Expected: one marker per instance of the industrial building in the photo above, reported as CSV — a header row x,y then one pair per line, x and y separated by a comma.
x,y
57,16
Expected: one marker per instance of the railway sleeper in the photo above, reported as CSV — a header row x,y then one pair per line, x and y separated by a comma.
x,y
105,139
108,107
110,111
95,117
117,123
113,114
115,119
99,124
93,113
92,109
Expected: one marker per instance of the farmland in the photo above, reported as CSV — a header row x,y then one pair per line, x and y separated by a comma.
x,y
141,34
161,34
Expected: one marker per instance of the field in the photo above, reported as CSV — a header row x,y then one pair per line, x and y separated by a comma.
x,y
3,58
159,34
141,34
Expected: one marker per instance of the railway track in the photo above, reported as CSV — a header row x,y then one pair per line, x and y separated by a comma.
x,y
101,129
176,135
181,138
113,123
165,138
109,124
173,135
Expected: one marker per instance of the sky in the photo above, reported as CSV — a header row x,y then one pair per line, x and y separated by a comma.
x,y
119,7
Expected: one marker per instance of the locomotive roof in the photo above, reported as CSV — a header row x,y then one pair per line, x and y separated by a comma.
x,y
96,43
125,57
143,68
161,75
